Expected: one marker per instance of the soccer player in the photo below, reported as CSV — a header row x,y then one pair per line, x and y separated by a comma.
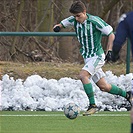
x,y
132,109
89,30
123,31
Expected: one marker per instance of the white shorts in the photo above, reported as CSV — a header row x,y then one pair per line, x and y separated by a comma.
x,y
93,66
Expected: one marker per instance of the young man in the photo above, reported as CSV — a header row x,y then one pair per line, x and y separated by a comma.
x,y
132,108
123,31
89,30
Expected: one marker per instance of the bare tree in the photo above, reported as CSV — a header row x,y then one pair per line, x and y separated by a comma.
x,y
13,49
41,15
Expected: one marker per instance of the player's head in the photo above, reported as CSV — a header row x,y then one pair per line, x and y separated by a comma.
x,y
77,7
78,10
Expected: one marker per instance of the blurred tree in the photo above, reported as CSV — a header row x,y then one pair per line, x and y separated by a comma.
x,y
108,7
13,49
41,15
64,49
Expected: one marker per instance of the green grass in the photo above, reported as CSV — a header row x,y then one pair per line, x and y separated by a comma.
x,y
56,122
54,70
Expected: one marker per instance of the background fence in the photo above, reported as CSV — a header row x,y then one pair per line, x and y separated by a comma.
x,y
63,34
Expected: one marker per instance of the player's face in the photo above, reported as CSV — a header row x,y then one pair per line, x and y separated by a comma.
x,y
80,17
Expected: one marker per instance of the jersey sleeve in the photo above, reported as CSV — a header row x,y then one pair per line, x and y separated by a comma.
x,y
101,25
68,22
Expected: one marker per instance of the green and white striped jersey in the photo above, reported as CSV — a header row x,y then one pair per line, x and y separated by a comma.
x,y
89,34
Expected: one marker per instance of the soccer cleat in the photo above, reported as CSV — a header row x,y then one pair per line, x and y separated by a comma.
x,y
129,97
91,110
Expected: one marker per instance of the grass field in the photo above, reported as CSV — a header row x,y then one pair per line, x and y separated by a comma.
x,y
53,70
56,122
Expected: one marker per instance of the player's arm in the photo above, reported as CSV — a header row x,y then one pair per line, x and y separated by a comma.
x,y
120,38
64,23
111,38
107,30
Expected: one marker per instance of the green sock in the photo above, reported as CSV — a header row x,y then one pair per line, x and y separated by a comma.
x,y
89,91
117,91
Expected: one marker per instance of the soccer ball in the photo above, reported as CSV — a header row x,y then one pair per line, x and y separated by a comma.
x,y
71,110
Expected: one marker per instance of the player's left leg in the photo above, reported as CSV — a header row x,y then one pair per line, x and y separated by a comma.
x,y
112,89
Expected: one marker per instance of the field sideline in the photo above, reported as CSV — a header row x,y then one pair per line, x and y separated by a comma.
x,y
56,122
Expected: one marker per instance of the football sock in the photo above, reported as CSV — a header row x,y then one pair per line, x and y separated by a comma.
x,y
89,91
117,91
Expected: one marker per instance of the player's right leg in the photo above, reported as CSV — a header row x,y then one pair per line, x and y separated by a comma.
x,y
84,77
92,65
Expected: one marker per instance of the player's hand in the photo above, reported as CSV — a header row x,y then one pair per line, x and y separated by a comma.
x,y
56,28
115,56
108,56
111,56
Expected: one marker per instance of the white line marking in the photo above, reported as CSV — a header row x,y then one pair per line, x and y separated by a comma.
x,y
110,115
55,115
36,115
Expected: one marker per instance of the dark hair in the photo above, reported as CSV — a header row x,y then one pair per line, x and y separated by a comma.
x,y
77,7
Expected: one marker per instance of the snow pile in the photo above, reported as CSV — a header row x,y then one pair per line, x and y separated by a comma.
x,y
37,93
